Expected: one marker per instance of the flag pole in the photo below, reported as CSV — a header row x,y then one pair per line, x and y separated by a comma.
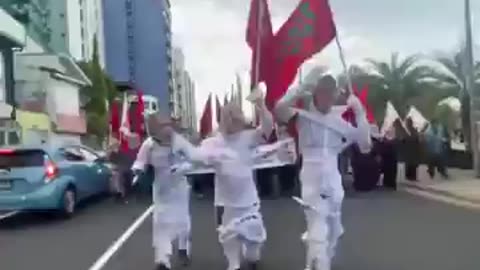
x,y
344,64
470,88
258,55
257,46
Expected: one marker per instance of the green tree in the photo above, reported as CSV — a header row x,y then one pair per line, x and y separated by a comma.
x,y
399,81
451,78
98,95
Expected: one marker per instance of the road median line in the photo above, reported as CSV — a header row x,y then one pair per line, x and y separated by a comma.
x,y
107,255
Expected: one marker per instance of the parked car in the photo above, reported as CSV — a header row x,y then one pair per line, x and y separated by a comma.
x,y
56,178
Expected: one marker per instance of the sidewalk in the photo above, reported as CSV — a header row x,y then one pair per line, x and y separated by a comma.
x,y
462,184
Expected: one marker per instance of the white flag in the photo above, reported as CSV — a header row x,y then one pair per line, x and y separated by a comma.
x,y
419,122
124,122
391,115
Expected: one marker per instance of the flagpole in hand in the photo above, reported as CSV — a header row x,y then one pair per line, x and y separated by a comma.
x,y
259,38
344,63
345,66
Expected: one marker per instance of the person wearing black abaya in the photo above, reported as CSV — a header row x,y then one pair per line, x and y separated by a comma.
x,y
366,167
389,160
412,149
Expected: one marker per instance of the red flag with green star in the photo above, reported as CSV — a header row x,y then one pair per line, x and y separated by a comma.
x,y
309,29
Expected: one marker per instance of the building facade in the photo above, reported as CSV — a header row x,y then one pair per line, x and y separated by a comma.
x,y
48,87
75,25
139,48
183,98
12,37
60,26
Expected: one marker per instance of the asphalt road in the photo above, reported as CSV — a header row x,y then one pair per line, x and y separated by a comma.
x,y
393,231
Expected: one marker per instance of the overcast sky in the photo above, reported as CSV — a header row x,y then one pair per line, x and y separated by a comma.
x,y
212,34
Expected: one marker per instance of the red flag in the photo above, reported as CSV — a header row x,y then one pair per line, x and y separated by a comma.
x,y
259,36
206,120
218,108
308,30
225,100
364,100
349,115
115,120
139,123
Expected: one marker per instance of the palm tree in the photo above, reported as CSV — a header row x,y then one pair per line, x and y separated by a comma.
x,y
452,80
376,95
399,81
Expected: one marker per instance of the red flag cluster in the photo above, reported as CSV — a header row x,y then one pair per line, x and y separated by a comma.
x,y
121,125
308,30
206,120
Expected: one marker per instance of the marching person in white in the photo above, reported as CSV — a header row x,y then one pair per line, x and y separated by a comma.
x,y
171,193
242,232
323,134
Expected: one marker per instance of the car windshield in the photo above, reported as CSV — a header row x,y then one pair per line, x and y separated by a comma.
x,y
22,158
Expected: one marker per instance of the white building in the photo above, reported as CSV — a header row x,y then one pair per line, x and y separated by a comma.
x,y
184,92
74,26
12,36
50,85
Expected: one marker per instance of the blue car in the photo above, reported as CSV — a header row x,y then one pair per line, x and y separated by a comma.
x,y
42,178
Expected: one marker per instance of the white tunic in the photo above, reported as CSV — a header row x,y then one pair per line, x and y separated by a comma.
x,y
170,190
234,183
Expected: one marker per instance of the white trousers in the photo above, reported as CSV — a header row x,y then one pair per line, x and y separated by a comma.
x,y
164,242
242,235
324,228
171,225
322,190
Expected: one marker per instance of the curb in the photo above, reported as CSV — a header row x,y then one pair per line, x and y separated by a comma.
x,y
441,192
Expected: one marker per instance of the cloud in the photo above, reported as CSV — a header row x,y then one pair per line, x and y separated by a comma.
x,y
212,34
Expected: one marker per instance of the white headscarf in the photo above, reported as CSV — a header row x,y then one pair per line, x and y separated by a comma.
x,y
232,115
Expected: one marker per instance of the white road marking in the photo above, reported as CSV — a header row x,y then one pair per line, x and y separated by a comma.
x,y
10,214
102,261
444,199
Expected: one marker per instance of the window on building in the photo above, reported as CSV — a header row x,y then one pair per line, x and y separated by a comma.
x,y
9,136
13,138
3,83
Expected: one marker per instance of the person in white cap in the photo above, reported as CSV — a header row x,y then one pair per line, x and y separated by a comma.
x,y
323,134
242,229
171,193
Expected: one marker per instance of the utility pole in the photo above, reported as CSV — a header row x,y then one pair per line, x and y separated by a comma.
x,y
470,88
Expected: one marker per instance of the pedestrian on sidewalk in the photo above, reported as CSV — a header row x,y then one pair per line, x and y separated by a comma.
x,y
437,148
162,150
323,135
412,150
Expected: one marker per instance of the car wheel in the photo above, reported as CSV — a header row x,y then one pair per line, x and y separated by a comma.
x,y
69,203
